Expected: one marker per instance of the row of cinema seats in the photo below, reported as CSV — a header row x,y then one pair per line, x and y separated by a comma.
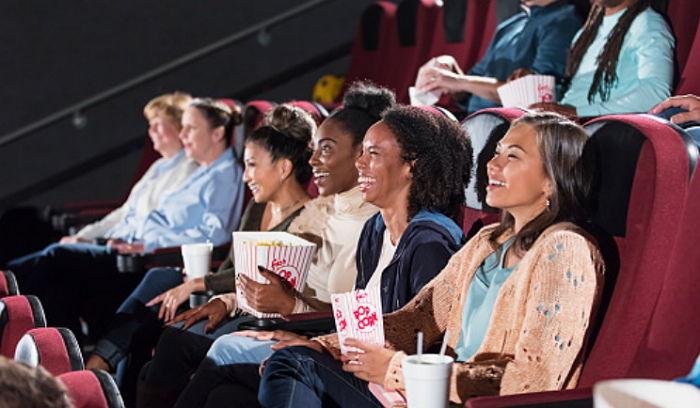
x,y
24,337
643,207
394,40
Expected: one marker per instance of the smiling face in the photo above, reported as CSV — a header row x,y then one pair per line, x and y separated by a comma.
x,y
517,179
197,136
333,160
263,176
384,177
164,135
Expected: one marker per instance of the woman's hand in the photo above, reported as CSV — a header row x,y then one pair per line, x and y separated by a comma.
x,y
370,364
519,73
691,103
126,248
274,297
214,311
568,111
173,298
72,239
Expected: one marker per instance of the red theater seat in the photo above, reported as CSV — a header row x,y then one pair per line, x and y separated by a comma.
x,y
690,79
371,43
18,314
408,45
8,284
55,349
92,389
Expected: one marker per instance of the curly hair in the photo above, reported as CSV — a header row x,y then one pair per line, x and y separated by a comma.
x,y
286,134
363,105
439,151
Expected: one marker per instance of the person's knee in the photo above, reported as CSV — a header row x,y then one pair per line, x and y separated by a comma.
x,y
229,349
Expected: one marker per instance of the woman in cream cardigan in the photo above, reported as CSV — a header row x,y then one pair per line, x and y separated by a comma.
x,y
518,298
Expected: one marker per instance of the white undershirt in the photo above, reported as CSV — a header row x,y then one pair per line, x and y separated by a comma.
x,y
384,259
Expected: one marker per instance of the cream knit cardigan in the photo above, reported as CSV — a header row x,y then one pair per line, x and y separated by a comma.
x,y
537,334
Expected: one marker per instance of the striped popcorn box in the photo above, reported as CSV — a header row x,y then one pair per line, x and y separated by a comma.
x,y
284,254
527,90
358,315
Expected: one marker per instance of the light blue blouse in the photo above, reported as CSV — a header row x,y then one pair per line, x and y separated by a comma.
x,y
207,206
644,69
481,297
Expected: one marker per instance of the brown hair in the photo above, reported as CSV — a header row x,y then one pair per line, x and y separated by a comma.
x,y
23,386
605,75
560,143
170,105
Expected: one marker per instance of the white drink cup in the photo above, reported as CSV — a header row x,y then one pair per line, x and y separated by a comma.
x,y
197,259
427,381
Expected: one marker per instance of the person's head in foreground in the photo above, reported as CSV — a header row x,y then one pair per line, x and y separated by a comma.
x,y
22,386
338,141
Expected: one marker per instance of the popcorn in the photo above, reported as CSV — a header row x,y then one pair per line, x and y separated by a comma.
x,y
284,254
527,90
358,315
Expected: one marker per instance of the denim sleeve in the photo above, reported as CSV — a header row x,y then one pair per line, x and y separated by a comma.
x,y
553,41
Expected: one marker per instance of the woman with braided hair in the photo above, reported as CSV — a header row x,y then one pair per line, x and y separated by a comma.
x,y
620,62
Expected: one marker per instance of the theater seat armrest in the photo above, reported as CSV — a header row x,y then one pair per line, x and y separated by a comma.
x,y
551,399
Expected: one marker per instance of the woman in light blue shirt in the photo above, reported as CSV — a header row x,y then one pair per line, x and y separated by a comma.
x,y
620,62
207,206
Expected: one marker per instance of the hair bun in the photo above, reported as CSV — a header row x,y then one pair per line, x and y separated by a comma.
x,y
291,121
368,97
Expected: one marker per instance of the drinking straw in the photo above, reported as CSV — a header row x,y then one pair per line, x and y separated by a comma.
x,y
443,347
419,347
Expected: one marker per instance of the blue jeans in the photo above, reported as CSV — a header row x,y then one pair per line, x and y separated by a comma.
x,y
69,279
232,349
133,317
302,377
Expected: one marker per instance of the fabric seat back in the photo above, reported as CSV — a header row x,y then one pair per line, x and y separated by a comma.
x,y
18,314
55,349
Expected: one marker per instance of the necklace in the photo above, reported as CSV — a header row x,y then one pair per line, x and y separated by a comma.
x,y
278,212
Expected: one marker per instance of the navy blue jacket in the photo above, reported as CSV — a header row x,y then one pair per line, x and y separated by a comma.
x,y
422,252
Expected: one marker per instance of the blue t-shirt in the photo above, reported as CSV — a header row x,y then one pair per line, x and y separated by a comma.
x,y
536,39
481,297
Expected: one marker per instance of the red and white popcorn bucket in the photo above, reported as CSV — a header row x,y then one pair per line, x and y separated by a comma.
x,y
358,315
527,90
282,253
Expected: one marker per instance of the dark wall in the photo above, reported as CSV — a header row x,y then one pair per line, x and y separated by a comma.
x,y
58,53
